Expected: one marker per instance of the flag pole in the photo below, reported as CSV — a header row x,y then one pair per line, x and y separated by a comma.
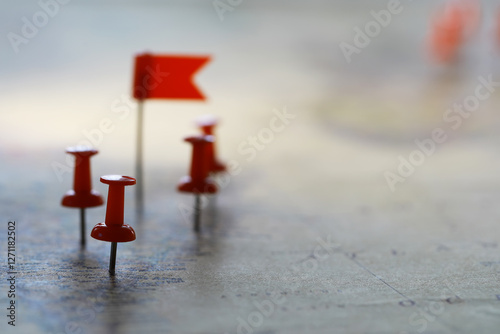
x,y
139,195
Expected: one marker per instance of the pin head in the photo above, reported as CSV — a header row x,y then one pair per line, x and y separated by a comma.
x,y
198,180
118,180
82,195
82,199
103,232
206,123
201,140
113,228
81,150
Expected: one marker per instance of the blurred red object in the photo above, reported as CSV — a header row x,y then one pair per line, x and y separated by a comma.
x,y
451,26
497,28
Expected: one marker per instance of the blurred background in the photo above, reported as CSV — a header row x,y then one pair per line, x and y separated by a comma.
x,y
62,79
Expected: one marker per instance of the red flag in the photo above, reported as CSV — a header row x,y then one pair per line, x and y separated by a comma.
x,y
167,77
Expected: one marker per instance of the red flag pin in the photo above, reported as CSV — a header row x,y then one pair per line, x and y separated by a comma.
x,y
167,76
162,77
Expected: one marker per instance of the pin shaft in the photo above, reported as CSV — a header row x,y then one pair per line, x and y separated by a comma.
x,y
112,258
138,163
82,227
197,211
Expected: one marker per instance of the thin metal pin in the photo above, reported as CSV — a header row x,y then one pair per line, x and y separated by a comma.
x,y
197,211
138,163
112,258
82,227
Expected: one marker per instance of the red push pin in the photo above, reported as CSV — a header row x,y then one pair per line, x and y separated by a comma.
x,y
113,229
82,195
198,182
207,124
